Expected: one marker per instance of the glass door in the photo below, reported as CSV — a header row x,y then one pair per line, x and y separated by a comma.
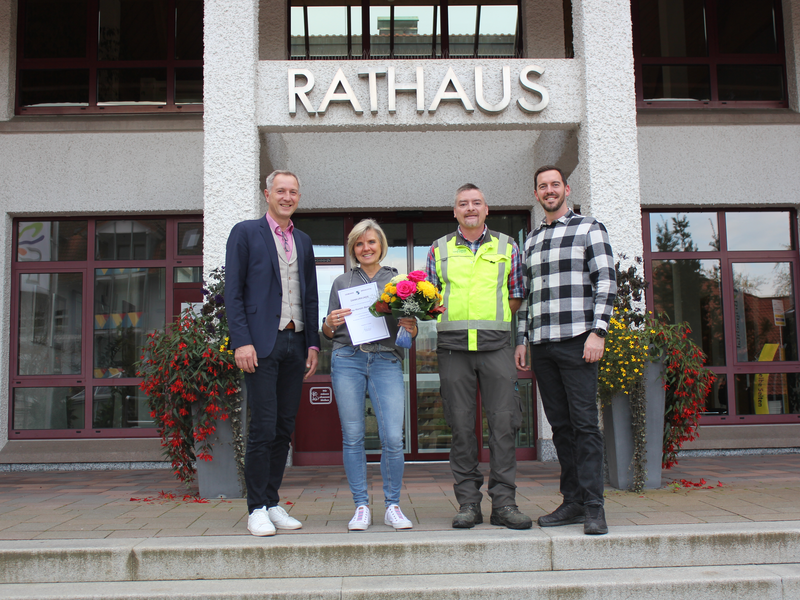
x,y
427,436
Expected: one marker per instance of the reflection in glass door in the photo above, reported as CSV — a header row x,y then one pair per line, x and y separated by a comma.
x,y
427,436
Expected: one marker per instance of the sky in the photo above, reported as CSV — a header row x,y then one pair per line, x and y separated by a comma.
x,y
324,20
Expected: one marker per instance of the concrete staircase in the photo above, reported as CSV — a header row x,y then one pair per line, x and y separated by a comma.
x,y
720,561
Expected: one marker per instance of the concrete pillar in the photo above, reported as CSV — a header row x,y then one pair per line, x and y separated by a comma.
x,y
608,169
231,191
8,57
791,34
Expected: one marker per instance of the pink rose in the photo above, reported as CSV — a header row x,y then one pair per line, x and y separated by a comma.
x,y
416,276
406,288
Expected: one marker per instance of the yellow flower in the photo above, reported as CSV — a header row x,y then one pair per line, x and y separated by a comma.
x,y
386,297
427,289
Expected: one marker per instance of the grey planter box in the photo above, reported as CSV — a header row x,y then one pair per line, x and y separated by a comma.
x,y
219,478
618,432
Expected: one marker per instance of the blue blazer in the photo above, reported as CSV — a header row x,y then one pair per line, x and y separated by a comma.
x,y
253,286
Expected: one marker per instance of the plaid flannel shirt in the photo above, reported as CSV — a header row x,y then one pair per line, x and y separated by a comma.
x,y
569,272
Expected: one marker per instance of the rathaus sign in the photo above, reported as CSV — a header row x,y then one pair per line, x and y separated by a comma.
x,y
530,98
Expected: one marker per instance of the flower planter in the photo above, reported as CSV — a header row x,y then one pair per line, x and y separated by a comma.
x,y
618,432
219,477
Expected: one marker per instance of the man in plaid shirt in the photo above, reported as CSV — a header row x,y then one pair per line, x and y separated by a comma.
x,y
569,270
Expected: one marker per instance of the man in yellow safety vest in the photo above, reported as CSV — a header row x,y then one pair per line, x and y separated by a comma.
x,y
479,273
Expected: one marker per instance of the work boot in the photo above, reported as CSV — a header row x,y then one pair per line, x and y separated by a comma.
x,y
566,514
595,521
509,516
468,516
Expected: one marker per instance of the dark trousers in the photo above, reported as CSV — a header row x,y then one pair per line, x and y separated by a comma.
x,y
460,374
273,395
568,385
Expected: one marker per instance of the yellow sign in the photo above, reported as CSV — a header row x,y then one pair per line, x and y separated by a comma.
x,y
762,380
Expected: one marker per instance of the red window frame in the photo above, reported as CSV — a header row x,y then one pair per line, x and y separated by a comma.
x,y
92,63
174,292
712,60
726,258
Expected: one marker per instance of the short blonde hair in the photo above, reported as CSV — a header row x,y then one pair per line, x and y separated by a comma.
x,y
360,229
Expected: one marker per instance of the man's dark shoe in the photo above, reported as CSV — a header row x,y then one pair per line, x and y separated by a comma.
x,y
509,516
566,514
595,523
468,516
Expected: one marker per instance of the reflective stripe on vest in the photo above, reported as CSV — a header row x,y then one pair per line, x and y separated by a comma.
x,y
481,301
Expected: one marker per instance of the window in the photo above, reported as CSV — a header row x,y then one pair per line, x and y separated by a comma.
x,y
429,29
709,53
85,293
732,275
103,56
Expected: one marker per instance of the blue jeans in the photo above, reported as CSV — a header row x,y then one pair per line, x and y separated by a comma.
x,y
351,372
273,394
568,385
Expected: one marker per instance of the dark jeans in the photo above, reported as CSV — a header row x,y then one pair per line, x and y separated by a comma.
x,y
273,395
460,373
568,385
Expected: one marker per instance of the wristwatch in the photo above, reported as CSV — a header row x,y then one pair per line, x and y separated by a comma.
x,y
599,332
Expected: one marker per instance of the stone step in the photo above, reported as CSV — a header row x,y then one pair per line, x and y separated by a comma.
x,y
743,582
409,553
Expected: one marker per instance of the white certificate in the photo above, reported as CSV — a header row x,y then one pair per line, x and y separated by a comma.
x,y
361,325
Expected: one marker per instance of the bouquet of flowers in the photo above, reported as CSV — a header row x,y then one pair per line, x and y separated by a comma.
x,y
408,296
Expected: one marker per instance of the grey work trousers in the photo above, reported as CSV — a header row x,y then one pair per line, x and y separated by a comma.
x,y
460,373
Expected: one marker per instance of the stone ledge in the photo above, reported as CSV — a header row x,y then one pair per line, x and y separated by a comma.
x,y
124,450
398,554
748,582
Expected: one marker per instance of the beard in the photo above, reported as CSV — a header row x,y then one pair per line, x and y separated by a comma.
x,y
556,207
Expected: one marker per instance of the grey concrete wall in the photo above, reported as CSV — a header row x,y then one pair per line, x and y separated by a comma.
x,y
543,25
690,165
272,30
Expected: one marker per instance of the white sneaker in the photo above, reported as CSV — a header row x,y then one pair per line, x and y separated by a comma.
x,y
361,520
258,522
281,519
396,518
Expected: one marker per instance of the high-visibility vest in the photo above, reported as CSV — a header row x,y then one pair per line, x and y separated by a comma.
x,y
474,286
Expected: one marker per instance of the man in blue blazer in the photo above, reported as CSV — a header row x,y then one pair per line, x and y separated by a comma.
x,y
272,308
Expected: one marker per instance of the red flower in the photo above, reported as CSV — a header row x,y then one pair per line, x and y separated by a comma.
x,y
406,288
416,276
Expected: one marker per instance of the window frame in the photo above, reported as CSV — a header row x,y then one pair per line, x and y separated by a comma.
x,y
86,379
727,258
92,63
440,7
713,59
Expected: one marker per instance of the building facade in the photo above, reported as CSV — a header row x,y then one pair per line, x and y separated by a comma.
x,y
135,134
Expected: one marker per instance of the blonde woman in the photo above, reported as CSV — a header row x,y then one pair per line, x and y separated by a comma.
x,y
377,367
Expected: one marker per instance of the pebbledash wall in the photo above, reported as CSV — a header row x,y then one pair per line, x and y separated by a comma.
x,y
579,113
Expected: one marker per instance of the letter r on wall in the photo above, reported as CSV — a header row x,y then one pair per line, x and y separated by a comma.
x,y
296,92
